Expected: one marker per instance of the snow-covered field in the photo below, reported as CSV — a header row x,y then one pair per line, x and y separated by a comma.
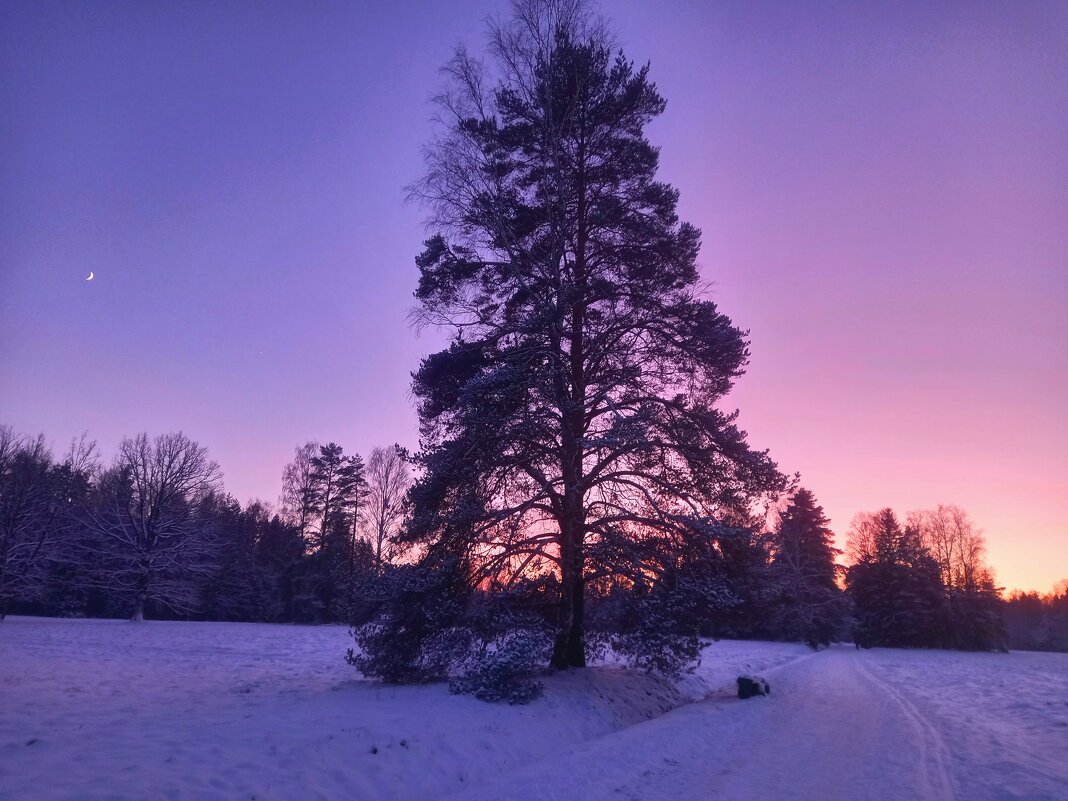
x,y
113,710
93,709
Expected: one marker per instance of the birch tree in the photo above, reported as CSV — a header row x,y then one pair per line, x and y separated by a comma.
x,y
388,480
298,490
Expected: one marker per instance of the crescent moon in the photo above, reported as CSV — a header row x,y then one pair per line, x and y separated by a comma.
x,y
90,278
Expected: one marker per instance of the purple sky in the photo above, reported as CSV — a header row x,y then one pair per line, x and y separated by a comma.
x,y
883,190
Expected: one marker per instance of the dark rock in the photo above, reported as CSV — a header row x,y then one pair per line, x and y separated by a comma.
x,y
748,686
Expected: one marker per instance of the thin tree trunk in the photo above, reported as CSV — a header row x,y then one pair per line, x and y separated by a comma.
x,y
352,549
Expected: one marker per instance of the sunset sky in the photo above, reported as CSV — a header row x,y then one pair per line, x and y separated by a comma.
x,y
883,190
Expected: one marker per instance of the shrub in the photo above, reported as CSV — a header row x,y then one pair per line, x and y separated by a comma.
x,y
505,671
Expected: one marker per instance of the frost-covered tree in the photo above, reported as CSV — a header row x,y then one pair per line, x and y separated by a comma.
x,y
37,504
572,429
25,509
150,518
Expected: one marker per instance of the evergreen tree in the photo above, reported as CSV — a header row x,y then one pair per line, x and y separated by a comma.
x,y
335,483
330,497
280,551
896,586
39,499
973,602
1038,622
808,605
239,587
572,427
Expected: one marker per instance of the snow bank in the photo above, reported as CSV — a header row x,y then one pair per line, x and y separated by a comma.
x,y
723,661
94,709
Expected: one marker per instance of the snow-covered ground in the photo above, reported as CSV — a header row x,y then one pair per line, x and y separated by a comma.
x,y
113,710
93,709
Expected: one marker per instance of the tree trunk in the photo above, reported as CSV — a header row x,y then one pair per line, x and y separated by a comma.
x,y
569,649
563,647
139,609
140,599
352,550
576,634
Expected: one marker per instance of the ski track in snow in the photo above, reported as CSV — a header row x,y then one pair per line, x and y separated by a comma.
x,y
938,780
94,710
1003,719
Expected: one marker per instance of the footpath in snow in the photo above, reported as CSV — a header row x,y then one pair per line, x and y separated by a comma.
x,y
110,710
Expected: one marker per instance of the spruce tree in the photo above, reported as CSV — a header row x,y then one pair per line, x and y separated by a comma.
x,y
896,588
808,604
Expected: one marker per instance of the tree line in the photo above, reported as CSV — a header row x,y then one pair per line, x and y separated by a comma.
x,y
155,532
1038,622
925,583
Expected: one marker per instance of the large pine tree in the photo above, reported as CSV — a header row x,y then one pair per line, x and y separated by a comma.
x,y
572,428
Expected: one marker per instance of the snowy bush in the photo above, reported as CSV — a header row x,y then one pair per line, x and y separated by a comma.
x,y
424,622
408,627
656,644
659,624
505,671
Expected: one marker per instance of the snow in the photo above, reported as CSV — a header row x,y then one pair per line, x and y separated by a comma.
x,y
843,724
113,710
1000,722
93,709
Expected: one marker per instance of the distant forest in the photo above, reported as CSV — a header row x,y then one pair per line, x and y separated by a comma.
x,y
155,535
